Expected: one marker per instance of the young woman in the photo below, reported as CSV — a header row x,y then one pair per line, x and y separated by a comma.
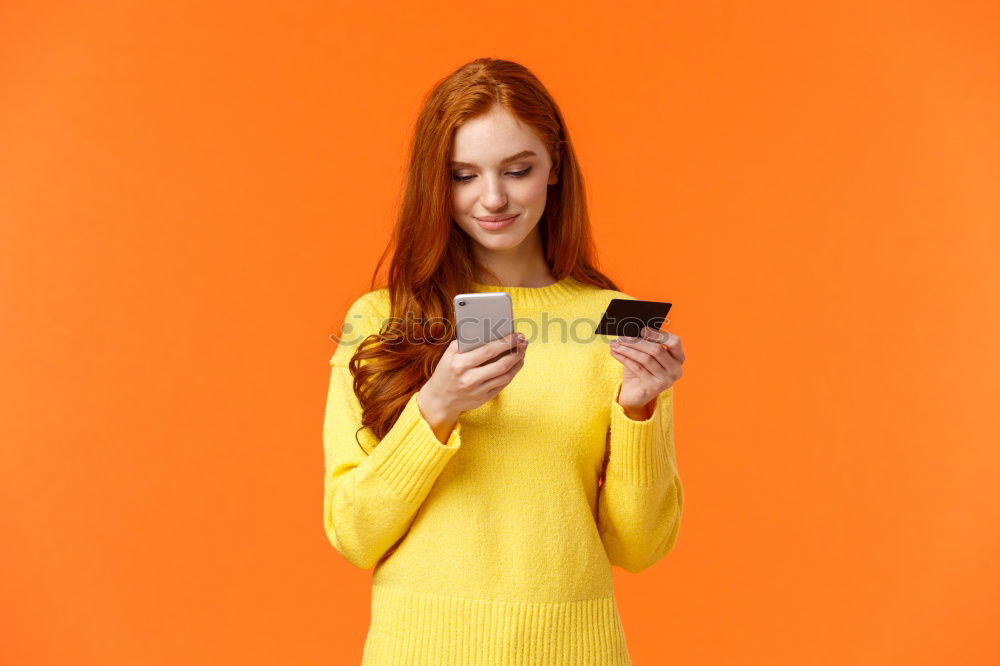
x,y
493,489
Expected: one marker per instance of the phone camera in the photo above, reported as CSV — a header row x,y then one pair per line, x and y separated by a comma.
x,y
461,302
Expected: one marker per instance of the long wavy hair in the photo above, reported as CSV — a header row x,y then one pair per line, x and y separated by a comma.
x,y
432,258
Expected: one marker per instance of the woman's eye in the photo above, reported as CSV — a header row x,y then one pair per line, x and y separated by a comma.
x,y
517,174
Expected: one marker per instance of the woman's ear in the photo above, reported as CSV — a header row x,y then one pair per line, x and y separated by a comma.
x,y
553,176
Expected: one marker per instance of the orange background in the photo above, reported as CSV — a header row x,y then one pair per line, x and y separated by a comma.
x,y
192,193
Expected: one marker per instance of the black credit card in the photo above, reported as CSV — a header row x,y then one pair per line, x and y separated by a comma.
x,y
625,317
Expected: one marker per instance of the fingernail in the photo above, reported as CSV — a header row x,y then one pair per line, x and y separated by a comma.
x,y
520,337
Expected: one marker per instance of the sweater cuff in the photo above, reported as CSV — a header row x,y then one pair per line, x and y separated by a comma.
x,y
410,458
638,452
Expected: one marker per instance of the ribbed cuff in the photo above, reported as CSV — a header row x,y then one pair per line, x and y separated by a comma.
x,y
638,450
410,458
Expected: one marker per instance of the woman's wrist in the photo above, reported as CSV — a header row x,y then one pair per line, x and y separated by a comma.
x,y
637,414
441,421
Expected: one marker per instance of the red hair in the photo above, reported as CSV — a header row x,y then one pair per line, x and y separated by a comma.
x,y
432,256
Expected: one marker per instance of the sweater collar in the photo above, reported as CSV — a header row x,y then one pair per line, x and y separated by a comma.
x,y
537,297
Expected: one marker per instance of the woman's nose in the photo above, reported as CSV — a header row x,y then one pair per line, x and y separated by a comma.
x,y
494,197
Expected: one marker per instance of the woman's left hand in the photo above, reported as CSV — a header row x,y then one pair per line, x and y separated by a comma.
x,y
652,365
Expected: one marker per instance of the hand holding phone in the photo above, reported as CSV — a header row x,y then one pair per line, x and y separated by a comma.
x,y
483,358
465,380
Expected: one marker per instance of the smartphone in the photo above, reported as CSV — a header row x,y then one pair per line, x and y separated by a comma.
x,y
482,317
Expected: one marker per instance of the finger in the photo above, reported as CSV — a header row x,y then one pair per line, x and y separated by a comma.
x,y
502,380
497,367
669,341
653,340
644,361
645,349
647,340
662,365
629,363
479,356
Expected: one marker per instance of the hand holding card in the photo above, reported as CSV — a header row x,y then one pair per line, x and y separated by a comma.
x,y
651,358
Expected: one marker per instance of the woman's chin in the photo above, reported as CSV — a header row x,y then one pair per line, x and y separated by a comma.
x,y
499,241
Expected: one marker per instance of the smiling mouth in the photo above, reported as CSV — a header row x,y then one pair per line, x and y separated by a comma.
x,y
498,225
496,219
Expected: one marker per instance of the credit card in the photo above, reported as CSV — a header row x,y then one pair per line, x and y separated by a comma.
x,y
624,317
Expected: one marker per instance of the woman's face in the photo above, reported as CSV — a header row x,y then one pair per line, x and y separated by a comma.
x,y
484,184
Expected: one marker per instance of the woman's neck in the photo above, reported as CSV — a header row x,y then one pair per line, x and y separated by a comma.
x,y
519,279
521,266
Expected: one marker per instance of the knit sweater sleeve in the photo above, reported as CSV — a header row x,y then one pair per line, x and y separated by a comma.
x,y
371,496
640,502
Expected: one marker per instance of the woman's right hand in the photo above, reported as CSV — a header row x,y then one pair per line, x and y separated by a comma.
x,y
465,380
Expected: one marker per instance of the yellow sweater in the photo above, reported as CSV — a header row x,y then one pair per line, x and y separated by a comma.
x,y
496,547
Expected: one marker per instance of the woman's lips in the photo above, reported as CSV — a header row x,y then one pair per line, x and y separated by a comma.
x,y
499,224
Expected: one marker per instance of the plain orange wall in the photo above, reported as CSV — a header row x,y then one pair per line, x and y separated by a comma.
x,y
192,193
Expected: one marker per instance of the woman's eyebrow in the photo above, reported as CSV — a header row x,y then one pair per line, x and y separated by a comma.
x,y
506,160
